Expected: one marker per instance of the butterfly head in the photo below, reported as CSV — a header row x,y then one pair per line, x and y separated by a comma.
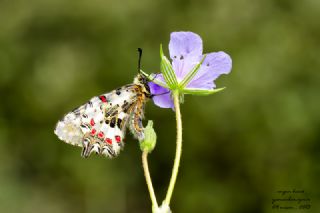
x,y
142,81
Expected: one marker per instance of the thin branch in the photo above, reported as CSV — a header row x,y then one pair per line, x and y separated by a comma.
x,y
178,148
148,179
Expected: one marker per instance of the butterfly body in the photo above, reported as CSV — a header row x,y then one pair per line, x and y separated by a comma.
x,y
99,125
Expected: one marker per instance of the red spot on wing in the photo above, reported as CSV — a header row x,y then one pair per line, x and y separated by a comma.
x,y
118,138
100,135
93,132
103,98
92,122
108,140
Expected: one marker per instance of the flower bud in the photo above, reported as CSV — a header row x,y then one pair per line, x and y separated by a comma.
x,y
150,138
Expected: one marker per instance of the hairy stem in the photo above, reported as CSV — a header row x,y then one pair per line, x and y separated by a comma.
x,y
148,179
178,148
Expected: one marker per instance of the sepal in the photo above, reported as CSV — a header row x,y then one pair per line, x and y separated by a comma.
x,y
191,91
167,71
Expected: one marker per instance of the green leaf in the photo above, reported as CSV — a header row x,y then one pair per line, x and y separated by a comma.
x,y
201,91
191,74
167,71
150,138
154,80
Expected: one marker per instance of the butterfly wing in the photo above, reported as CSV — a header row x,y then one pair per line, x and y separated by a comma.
x,y
99,125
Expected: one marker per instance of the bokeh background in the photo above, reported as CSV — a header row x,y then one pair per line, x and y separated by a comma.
x,y
260,135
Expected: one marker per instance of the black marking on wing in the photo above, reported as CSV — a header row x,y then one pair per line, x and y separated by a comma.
x,y
126,107
119,121
114,113
76,111
111,152
85,126
111,112
90,103
113,122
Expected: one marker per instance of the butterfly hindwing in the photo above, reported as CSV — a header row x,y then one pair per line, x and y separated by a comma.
x,y
99,125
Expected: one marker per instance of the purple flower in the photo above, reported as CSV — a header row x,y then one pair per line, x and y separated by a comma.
x,y
186,52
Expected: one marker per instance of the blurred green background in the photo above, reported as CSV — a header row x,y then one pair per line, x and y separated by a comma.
x,y
260,135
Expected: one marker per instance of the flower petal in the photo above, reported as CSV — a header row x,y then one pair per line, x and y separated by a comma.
x,y
161,96
184,43
185,51
213,66
183,66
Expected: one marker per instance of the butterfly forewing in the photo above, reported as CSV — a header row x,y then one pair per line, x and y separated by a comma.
x,y
99,125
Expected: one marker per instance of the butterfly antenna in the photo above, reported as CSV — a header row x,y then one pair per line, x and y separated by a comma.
x,y
139,60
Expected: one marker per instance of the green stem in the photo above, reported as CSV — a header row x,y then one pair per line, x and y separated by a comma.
x,y
148,179
178,148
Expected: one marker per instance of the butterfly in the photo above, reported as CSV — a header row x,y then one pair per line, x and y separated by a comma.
x,y
99,126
